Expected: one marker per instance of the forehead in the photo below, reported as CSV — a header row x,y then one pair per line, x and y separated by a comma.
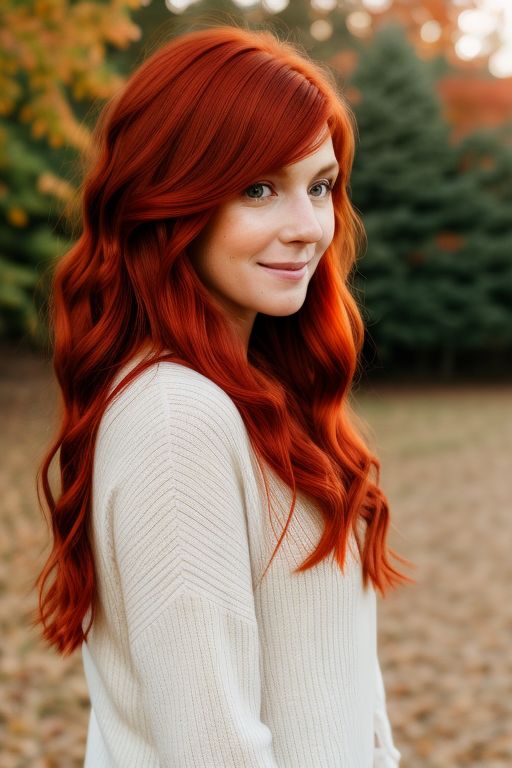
x,y
323,158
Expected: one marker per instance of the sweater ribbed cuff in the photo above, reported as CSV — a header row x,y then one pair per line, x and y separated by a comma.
x,y
386,755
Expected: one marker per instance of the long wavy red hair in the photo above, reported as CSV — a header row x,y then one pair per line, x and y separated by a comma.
x,y
199,121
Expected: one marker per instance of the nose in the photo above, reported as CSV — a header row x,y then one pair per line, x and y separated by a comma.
x,y
300,222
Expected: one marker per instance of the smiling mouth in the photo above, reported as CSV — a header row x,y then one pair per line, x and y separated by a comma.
x,y
286,265
293,272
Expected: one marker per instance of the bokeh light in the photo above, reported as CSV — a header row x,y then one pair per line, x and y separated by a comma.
x,y
275,6
430,31
486,27
177,6
377,6
245,3
468,47
324,5
475,22
359,23
500,62
321,29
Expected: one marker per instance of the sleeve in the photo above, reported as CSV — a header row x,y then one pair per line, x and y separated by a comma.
x,y
182,553
386,755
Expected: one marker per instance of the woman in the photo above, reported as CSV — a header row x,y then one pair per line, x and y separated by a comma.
x,y
218,540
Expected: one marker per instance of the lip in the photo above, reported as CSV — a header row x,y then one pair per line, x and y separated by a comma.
x,y
285,265
289,270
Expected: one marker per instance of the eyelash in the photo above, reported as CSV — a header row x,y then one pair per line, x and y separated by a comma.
x,y
328,183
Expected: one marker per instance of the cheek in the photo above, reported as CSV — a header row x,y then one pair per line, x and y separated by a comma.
x,y
226,243
328,226
247,229
228,238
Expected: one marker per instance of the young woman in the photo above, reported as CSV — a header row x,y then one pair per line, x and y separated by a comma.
x,y
218,538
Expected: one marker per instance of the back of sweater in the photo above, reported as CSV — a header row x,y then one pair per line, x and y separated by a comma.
x,y
191,663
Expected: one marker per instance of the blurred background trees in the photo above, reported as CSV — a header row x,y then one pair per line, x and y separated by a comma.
x,y
438,223
53,63
432,177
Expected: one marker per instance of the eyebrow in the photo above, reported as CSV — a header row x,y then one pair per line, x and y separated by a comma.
x,y
325,169
328,168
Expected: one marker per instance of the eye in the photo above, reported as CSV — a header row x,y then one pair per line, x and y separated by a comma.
x,y
327,185
258,188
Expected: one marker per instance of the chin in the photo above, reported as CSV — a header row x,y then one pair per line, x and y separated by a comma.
x,y
282,310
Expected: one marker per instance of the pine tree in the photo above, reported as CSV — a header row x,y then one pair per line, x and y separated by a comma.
x,y
419,280
486,156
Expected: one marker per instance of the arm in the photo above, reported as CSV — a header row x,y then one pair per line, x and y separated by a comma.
x,y
183,558
386,754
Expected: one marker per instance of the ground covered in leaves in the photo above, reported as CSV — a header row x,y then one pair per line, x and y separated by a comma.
x,y
444,643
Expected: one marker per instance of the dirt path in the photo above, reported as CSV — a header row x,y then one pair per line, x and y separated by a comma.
x,y
445,643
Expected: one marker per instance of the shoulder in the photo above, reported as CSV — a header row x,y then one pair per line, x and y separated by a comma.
x,y
189,392
187,386
169,401
170,480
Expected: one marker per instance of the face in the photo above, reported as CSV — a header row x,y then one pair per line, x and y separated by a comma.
x,y
250,250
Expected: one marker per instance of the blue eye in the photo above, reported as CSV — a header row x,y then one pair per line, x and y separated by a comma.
x,y
327,185
256,187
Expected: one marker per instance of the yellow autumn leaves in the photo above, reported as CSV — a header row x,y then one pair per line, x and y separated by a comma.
x,y
53,51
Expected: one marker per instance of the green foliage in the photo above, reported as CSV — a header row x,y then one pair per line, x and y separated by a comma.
x,y
30,238
486,156
53,56
437,272
436,280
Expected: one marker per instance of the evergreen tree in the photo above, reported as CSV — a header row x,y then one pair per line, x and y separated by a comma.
x,y
486,156
419,279
427,282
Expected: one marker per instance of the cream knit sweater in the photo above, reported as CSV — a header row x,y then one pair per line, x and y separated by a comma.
x,y
189,663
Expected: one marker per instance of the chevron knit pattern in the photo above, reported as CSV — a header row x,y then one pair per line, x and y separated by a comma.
x,y
191,663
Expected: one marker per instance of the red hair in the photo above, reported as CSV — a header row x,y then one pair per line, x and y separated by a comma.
x,y
199,121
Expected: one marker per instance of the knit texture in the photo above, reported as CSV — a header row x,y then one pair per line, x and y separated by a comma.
x,y
191,663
